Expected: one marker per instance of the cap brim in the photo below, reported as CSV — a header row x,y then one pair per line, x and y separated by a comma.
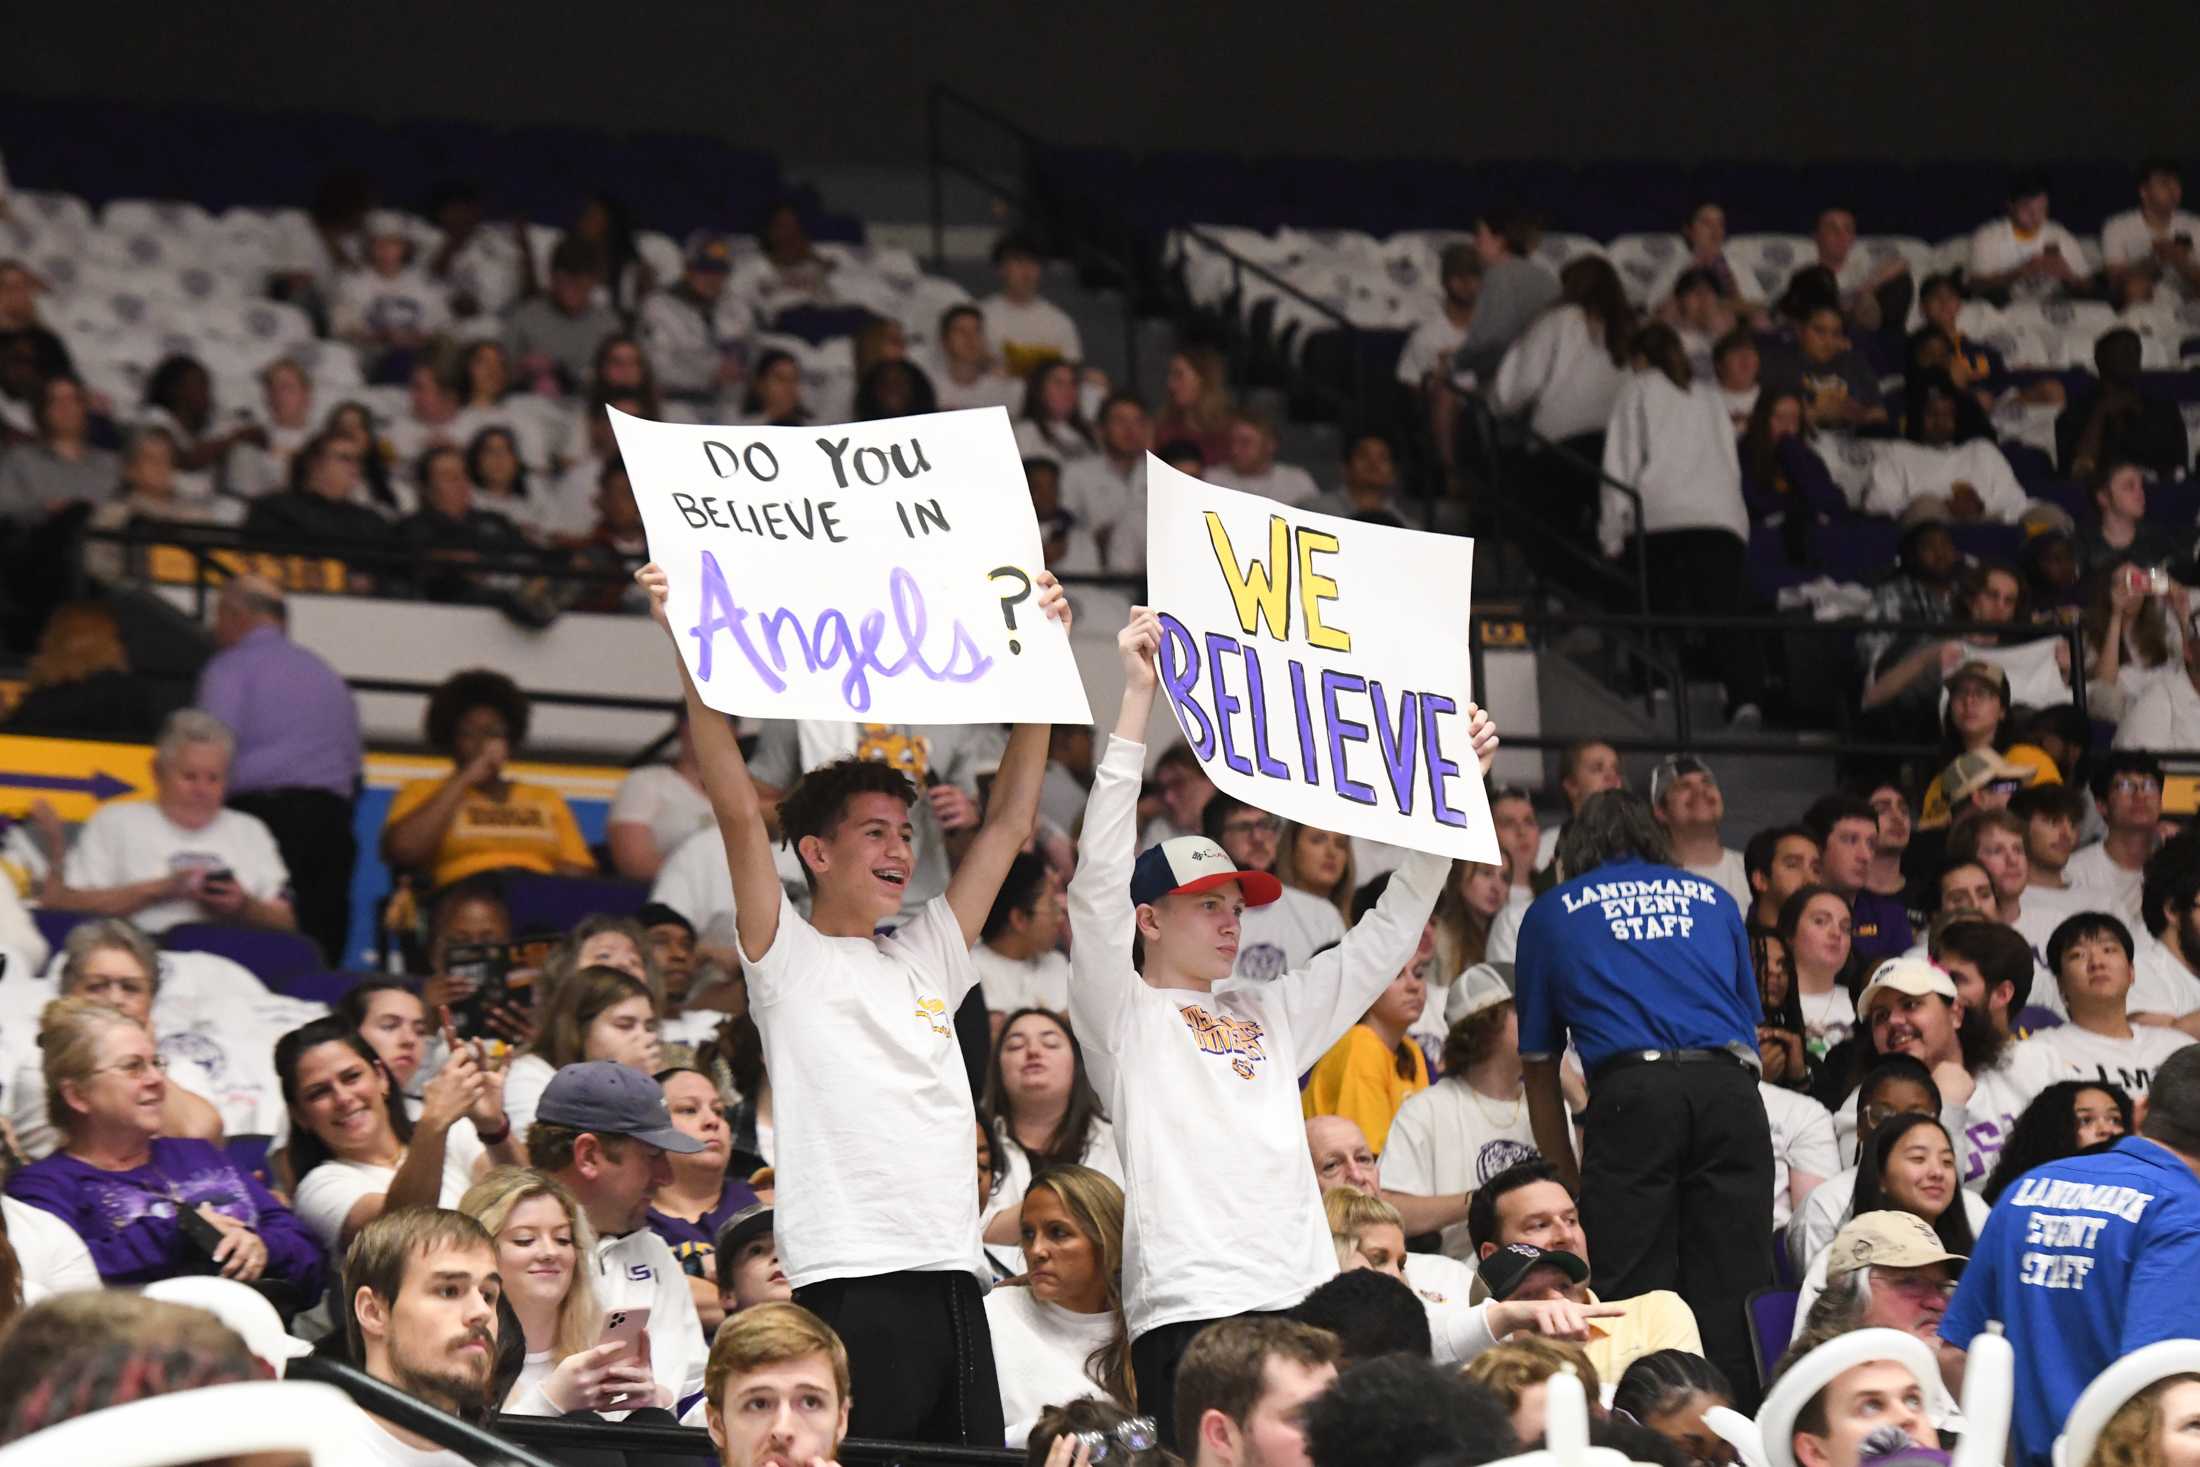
x,y
1258,886
670,1138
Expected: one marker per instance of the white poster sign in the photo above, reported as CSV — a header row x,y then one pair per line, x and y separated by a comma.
x,y
883,572
1318,666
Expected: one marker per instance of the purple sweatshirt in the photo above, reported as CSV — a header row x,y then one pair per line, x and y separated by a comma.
x,y
128,1219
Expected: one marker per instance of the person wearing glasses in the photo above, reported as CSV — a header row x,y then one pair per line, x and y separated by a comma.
x,y
1287,932
148,1206
110,962
2127,789
1889,1270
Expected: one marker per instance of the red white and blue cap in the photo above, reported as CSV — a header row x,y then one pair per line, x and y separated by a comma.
x,y
1193,863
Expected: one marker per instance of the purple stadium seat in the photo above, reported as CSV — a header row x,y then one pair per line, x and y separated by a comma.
x,y
2034,1018
275,958
56,926
1783,1271
1771,1322
554,903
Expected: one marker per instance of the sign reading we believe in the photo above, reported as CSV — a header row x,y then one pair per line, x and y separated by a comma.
x,y
1319,666
882,572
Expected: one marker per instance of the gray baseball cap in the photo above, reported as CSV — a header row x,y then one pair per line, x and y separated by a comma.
x,y
612,1099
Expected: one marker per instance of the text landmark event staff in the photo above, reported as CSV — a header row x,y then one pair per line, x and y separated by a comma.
x,y
1645,970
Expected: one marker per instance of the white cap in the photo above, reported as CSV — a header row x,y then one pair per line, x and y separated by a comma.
x,y
1480,987
241,1308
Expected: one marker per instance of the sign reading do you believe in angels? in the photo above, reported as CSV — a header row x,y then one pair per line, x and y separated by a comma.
x,y
1319,666
882,572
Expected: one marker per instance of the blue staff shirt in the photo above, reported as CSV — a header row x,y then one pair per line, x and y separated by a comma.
x,y
2083,1261
1634,956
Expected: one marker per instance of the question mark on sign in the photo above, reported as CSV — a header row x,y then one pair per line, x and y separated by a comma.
x,y
1011,601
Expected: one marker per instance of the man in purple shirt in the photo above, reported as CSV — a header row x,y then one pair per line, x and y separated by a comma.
x,y
1847,828
298,750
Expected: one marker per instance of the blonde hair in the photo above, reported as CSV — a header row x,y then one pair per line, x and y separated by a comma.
x,y
1095,1204
81,639
1512,1367
1351,1213
492,1201
771,1334
71,1033
1287,868
2133,1436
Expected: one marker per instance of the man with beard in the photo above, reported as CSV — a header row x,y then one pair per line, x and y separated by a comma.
x,y
422,1284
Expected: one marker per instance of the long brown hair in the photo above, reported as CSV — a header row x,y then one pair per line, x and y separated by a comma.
x,y
1462,933
1067,1146
1591,283
1339,895
2147,633
1095,1204
579,1000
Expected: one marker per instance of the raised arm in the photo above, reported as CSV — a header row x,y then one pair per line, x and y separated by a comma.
x,y
1102,977
733,797
1327,996
1012,809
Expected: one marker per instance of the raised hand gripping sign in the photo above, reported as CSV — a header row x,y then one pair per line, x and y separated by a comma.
x,y
1318,666
881,572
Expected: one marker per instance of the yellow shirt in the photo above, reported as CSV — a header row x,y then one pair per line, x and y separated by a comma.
x,y
1658,1320
531,828
1359,1080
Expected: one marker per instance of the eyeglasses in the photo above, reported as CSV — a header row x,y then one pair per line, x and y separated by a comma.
x,y
135,1066
1265,825
1878,1113
2135,784
1911,1283
1121,1442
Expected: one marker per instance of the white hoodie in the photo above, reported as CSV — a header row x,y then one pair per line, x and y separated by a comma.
x,y
1675,445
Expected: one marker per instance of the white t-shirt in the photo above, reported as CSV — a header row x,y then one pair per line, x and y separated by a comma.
x,y
1109,504
2090,870
2127,238
2160,982
328,1193
122,845
1284,483
1996,250
54,1259
2039,912
696,882
1283,935
1429,349
637,1271
1802,1141
1023,333
1728,872
371,303
1211,1229
1558,374
1039,1355
1981,1125
987,389
1450,1139
660,797
2165,716
2081,1054
525,1078
375,1444
1440,1281
875,1121
1018,983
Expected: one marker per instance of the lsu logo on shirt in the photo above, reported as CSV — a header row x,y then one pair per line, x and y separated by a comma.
x,y
934,1013
1220,1034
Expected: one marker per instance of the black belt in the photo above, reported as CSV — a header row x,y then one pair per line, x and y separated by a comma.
x,y
1627,1059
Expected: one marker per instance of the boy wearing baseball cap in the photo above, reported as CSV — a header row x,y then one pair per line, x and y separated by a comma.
x,y
874,1112
1201,1074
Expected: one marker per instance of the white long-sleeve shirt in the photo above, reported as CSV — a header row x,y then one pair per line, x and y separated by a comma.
x,y
1222,1213
1675,446
1558,373
1903,473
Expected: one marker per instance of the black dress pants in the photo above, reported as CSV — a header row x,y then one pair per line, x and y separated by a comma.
x,y
920,1356
1676,1193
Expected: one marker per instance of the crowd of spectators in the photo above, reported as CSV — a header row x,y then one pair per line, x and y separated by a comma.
x,y
976,1085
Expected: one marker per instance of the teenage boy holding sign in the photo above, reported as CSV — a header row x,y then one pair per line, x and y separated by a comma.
x,y
877,1218
1203,1080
